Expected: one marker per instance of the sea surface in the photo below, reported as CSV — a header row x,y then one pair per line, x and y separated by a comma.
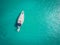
x,y
41,22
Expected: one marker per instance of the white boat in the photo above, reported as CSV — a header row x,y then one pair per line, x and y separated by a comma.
x,y
20,21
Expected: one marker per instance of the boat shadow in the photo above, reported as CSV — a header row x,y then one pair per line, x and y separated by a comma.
x,y
15,25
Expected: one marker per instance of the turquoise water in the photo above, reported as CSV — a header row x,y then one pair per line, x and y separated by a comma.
x,y
41,25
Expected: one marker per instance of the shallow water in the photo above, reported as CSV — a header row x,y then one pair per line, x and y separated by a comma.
x,y
41,25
